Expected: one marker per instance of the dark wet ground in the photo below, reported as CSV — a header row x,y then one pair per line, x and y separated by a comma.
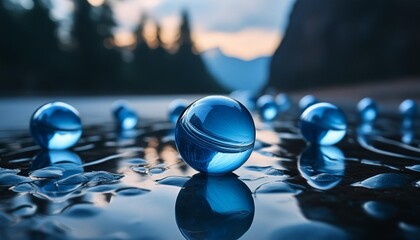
x,y
133,185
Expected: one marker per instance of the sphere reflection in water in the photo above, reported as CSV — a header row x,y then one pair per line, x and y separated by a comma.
x,y
322,166
69,161
214,207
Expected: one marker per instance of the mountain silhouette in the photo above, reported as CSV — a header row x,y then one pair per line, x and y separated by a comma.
x,y
237,74
332,42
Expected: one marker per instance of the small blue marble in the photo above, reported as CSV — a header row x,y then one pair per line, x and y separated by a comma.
x,y
323,124
247,98
307,101
56,126
408,109
175,109
125,117
283,102
215,135
368,110
267,108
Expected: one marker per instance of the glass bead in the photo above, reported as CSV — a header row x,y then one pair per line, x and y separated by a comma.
x,y
322,166
368,110
283,102
125,117
175,109
267,108
214,207
307,101
56,125
323,124
408,109
215,135
247,98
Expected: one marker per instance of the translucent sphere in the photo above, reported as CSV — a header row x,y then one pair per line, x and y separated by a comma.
x,y
322,166
125,117
323,124
267,108
214,207
56,125
175,109
408,109
368,110
283,102
307,101
215,135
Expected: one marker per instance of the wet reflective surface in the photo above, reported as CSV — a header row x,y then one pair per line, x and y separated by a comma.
x,y
116,184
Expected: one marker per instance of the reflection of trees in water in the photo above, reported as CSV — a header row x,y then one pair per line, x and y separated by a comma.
x,y
32,59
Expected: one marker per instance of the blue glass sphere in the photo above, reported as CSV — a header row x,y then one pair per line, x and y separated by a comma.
x,y
125,117
283,102
215,135
408,109
214,207
322,166
267,108
368,110
175,109
307,101
56,126
323,124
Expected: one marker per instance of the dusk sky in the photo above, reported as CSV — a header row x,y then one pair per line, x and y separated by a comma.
x,y
244,29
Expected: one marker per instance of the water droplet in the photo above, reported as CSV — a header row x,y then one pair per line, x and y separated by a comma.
x,y
131,191
143,170
267,108
56,125
275,172
309,231
135,161
102,188
379,210
323,124
415,168
6,170
278,187
47,172
386,181
173,181
23,188
258,168
24,210
82,210
9,179
215,134
157,170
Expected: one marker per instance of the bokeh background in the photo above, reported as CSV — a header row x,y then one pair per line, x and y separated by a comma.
x,y
113,47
